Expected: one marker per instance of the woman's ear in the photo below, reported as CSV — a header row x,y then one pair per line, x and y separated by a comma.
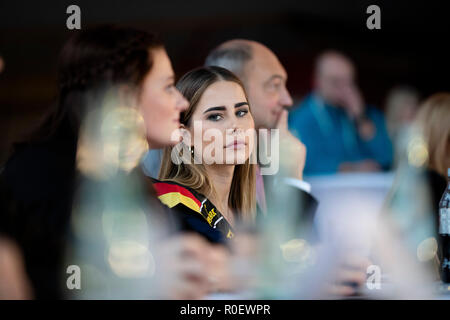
x,y
185,135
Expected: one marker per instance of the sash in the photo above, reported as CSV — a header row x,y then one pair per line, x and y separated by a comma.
x,y
172,194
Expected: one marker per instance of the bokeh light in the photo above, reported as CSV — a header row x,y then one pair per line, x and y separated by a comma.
x,y
130,259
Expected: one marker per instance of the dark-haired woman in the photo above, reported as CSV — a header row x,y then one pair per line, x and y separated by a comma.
x,y
39,181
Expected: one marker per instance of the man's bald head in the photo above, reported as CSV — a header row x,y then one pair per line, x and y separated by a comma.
x,y
333,73
261,72
233,55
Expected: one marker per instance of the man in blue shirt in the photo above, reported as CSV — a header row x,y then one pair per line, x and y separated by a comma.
x,y
339,131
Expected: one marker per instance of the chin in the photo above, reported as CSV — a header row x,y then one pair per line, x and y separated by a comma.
x,y
241,158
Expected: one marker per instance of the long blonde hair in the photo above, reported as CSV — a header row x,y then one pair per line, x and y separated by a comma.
x,y
242,197
434,120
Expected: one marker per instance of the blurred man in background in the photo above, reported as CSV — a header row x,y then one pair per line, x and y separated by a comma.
x,y
340,132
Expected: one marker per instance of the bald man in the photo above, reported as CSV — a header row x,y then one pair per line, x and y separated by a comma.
x,y
340,132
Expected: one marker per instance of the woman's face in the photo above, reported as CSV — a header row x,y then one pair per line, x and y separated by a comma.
x,y
226,122
160,103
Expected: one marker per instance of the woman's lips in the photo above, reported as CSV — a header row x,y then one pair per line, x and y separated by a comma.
x,y
236,145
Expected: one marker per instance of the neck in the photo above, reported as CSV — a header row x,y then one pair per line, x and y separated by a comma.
x,y
221,177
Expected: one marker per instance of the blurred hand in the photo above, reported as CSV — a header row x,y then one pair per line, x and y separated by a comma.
x,y
246,258
351,99
366,128
189,267
181,268
292,150
14,284
219,269
350,276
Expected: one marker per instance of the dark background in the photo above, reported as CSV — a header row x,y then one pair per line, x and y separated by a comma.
x,y
411,47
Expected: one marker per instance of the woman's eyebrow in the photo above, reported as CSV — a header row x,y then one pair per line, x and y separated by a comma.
x,y
240,104
222,108
219,108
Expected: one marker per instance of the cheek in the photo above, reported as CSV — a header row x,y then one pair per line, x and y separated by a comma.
x,y
158,119
147,106
210,132
248,122
269,102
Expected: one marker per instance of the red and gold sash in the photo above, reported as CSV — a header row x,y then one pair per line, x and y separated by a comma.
x,y
172,194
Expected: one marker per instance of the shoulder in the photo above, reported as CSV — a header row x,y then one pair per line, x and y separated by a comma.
x,y
172,194
184,203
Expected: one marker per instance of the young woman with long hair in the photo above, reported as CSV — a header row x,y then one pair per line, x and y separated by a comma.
x,y
220,189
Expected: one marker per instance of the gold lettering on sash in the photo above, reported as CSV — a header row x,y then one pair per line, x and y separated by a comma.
x,y
211,215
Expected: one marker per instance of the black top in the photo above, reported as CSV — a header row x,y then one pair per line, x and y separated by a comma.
x,y
36,188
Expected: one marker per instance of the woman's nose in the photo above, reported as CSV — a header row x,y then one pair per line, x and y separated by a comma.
x,y
235,127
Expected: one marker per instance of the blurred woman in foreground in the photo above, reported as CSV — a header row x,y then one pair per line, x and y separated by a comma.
x,y
129,72
434,120
412,203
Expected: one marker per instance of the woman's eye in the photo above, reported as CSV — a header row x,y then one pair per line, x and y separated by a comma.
x,y
241,113
214,117
170,87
